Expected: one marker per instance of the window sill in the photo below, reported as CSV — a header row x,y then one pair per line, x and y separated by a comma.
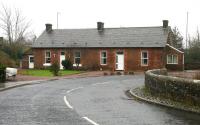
x,y
77,65
144,65
172,63
47,64
103,64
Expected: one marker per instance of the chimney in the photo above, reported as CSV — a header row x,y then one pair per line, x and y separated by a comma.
x,y
48,28
165,23
100,26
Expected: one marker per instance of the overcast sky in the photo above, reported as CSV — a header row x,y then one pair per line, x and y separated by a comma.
x,y
114,13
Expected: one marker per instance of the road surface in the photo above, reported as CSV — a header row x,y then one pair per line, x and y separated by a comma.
x,y
85,101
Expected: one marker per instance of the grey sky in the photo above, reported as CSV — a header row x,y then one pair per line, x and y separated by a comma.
x,y
114,13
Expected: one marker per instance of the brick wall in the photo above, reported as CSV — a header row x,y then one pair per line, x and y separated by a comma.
x,y
90,57
180,65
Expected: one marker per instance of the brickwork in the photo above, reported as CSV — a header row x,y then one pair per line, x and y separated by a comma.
x,y
180,65
90,58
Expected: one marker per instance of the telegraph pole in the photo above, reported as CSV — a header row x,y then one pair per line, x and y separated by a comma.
x,y
57,18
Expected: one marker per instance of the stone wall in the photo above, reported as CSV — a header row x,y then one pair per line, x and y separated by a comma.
x,y
159,83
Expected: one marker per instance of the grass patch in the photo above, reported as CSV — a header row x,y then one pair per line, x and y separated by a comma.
x,y
46,73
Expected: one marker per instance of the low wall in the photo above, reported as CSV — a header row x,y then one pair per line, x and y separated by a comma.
x,y
158,82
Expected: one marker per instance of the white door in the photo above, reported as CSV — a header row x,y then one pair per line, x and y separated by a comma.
x,y
31,62
62,57
120,61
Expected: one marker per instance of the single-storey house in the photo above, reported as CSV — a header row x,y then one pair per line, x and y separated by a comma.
x,y
124,48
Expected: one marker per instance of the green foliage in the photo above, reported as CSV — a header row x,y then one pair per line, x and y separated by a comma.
x,y
67,64
6,60
192,53
176,38
55,68
45,72
2,73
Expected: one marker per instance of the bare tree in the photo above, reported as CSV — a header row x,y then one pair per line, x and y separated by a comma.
x,y
13,24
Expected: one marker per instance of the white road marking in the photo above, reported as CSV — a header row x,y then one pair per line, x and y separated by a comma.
x,y
100,83
74,89
67,103
89,120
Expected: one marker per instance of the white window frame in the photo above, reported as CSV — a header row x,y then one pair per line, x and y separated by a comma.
x,y
101,57
47,57
144,58
77,57
172,59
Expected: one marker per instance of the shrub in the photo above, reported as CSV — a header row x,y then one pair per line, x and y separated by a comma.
x,y
2,73
55,68
67,64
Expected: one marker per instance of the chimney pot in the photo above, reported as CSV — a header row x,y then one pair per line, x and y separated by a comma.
x,y
165,23
100,26
48,27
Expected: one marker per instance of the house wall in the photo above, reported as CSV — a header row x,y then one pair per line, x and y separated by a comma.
x,y
90,57
180,65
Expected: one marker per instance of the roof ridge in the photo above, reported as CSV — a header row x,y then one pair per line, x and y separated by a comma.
x,y
110,28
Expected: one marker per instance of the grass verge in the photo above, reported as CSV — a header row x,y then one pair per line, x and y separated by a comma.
x,y
46,73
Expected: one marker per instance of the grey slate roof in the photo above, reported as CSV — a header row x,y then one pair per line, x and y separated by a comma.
x,y
110,37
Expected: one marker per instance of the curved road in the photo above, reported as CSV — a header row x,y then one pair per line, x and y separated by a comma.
x,y
85,101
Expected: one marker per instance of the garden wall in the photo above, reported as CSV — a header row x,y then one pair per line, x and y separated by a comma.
x,y
159,83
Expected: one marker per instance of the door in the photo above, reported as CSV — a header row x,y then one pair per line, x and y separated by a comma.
x,y
31,62
119,61
62,57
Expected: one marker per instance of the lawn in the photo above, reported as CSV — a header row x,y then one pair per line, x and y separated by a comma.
x,y
36,72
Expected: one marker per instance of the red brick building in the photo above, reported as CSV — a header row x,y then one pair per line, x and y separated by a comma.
x,y
128,49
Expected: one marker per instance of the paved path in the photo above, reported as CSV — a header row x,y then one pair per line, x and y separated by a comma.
x,y
85,101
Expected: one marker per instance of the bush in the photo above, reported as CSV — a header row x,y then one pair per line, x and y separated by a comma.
x,y
2,73
55,68
67,64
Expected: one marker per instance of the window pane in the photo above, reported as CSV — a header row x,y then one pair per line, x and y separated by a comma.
x,y
175,59
144,54
62,53
31,59
103,60
77,54
48,54
169,58
48,60
77,60
144,61
103,54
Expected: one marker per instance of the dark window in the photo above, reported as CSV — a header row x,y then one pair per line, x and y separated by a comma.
x,y
31,59
103,57
77,57
144,58
62,53
47,57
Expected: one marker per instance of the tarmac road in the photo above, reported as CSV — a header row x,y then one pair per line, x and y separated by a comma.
x,y
85,101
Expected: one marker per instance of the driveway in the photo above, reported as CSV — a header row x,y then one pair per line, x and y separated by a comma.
x,y
85,101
